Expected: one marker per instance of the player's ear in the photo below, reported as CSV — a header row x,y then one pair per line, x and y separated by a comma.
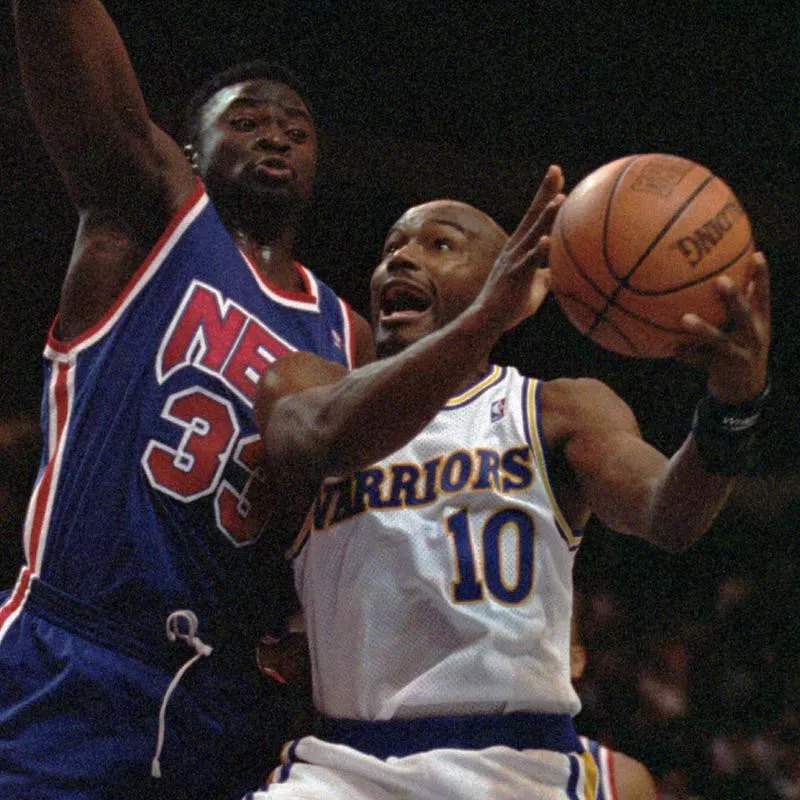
x,y
192,157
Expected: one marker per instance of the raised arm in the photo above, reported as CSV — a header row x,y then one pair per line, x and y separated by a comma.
x,y
316,422
627,483
124,175
87,105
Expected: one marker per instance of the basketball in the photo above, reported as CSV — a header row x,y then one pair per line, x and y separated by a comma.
x,y
638,243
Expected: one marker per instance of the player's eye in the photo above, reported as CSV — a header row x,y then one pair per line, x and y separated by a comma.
x,y
297,135
443,243
243,124
392,246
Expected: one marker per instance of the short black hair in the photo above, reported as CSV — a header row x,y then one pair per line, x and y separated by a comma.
x,y
246,71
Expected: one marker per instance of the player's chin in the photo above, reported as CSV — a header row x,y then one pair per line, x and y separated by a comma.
x,y
283,192
391,339
283,189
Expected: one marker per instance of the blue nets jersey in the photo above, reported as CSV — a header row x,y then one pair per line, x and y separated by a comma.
x,y
147,498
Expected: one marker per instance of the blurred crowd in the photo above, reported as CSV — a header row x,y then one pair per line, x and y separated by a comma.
x,y
693,661
703,686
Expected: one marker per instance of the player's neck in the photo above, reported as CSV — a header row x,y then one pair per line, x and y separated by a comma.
x,y
469,381
273,258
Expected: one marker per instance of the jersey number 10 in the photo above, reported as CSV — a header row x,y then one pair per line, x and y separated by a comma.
x,y
508,534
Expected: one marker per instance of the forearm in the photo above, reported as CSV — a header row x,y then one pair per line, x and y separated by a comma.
x,y
627,483
634,489
81,89
376,409
724,443
686,500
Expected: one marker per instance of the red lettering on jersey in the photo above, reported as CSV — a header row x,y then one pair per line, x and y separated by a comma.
x,y
256,350
203,332
242,514
214,334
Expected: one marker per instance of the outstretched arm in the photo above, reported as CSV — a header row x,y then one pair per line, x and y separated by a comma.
x,y
317,423
87,105
627,483
125,176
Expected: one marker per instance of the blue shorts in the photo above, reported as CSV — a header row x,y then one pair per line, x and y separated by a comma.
x,y
79,719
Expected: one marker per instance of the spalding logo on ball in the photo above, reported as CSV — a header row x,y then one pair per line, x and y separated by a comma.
x,y
638,243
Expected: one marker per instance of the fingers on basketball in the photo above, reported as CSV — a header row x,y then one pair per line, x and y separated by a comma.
x,y
639,243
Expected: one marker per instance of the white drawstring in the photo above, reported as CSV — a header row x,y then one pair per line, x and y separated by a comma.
x,y
174,633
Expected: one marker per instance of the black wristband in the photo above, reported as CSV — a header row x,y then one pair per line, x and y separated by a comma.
x,y
727,436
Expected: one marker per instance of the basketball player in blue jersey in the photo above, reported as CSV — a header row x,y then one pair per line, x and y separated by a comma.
x,y
435,565
127,645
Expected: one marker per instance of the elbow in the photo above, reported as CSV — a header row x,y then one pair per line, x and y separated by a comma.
x,y
290,440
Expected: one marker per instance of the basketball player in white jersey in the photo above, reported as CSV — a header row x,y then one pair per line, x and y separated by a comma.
x,y
435,566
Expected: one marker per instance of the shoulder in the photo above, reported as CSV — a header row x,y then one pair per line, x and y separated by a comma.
x,y
576,391
633,779
583,423
571,406
364,342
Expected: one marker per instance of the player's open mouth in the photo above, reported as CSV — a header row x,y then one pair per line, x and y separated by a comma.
x,y
401,301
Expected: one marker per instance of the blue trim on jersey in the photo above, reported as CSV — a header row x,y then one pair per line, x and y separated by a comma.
x,y
574,774
526,416
538,444
283,773
403,737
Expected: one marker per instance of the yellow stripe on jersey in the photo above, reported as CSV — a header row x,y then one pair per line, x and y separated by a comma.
x,y
591,777
532,410
300,539
495,374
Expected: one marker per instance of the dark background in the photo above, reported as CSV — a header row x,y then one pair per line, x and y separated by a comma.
x,y
469,100
462,99
473,100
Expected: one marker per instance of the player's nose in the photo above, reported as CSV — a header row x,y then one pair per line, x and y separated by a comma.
x,y
404,258
271,141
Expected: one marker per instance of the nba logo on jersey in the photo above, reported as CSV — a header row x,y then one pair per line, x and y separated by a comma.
x,y
337,339
498,410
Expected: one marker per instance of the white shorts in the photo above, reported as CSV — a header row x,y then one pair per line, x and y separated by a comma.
x,y
313,769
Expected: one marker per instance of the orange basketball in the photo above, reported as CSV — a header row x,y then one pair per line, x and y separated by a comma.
x,y
638,243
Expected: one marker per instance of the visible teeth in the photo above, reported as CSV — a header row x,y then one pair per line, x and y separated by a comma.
x,y
404,300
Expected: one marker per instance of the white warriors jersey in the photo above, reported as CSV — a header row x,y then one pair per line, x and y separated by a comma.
x,y
439,580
